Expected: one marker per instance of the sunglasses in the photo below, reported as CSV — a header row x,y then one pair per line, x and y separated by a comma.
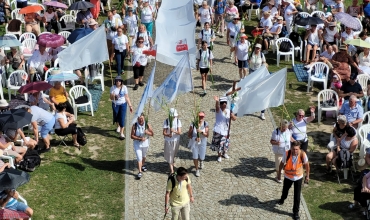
x,y
140,42
301,116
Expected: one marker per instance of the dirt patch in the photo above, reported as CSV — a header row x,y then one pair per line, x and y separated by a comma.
x,y
93,150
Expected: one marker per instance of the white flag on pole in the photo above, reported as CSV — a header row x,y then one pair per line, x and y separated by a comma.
x,y
269,92
148,92
87,50
178,82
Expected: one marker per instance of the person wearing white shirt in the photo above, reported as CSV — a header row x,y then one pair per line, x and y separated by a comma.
x,y
171,134
339,7
147,16
349,34
111,25
313,37
364,36
270,8
205,14
130,23
272,33
207,35
142,32
327,54
265,26
115,15
289,12
330,34
120,43
204,64
139,61
241,58
37,61
233,29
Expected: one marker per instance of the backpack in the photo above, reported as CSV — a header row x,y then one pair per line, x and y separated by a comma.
x,y
81,137
138,33
285,46
202,33
173,181
200,53
31,159
294,37
344,159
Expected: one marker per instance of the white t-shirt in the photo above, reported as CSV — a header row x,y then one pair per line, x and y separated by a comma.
x,y
222,122
327,55
349,36
147,15
273,11
266,23
275,27
289,9
299,129
138,55
140,132
131,22
364,61
38,59
119,92
120,42
207,35
234,28
256,60
176,123
205,14
313,38
40,116
115,22
283,138
242,50
144,35
204,58
57,117
367,40
339,6
295,158
329,36
203,139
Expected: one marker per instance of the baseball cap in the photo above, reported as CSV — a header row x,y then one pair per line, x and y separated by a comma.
x,y
258,46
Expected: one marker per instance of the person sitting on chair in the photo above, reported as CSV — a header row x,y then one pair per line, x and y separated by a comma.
x,y
65,123
361,194
3,165
58,94
353,111
8,200
9,149
37,63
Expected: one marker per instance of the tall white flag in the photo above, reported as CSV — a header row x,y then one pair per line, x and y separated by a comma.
x,y
87,50
148,92
179,81
269,92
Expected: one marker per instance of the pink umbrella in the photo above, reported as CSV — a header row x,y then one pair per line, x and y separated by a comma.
x,y
56,4
51,40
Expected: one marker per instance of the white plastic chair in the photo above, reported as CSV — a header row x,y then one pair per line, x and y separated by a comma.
x,y
1,83
320,14
70,22
65,34
99,76
363,131
17,86
45,32
303,15
9,158
363,80
280,53
11,32
56,62
27,35
11,35
323,96
250,11
15,15
320,69
74,13
77,91
30,45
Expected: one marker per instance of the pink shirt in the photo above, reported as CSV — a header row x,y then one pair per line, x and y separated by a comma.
x,y
233,10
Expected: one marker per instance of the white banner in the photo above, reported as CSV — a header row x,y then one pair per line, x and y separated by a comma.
x,y
269,92
87,50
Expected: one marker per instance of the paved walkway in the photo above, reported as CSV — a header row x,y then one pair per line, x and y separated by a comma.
x,y
241,187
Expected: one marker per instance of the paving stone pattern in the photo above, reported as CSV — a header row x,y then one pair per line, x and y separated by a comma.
x,y
241,187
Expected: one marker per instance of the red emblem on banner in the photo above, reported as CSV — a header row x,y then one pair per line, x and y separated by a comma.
x,y
181,46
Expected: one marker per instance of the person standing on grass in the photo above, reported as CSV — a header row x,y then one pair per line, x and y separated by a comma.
x,y
293,162
179,194
241,58
120,99
220,142
121,47
204,64
140,133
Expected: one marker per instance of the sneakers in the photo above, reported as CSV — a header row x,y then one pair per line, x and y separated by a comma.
x,y
197,173
277,180
226,156
219,159
280,202
201,164
262,116
122,137
118,129
141,84
144,169
139,175
136,87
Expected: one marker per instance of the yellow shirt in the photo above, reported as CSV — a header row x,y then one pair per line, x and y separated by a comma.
x,y
58,94
178,197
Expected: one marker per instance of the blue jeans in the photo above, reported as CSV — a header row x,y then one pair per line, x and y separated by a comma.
x,y
149,27
120,60
119,114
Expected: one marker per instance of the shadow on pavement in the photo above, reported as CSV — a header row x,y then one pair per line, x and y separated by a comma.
x,y
251,201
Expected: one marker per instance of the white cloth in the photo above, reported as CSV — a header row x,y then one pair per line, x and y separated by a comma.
x,y
299,129
57,117
256,60
364,61
283,138
205,14
329,36
347,36
266,23
115,22
273,11
275,27
40,116
176,123
147,14
313,38
207,35
199,149
204,58
140,132
367,40
120,42
290,8
119,92
138,55
37,59
222,122
242,50
131,22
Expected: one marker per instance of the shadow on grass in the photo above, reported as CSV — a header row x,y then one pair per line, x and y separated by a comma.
x,y
76,166
334,207
97,130
257,167
251,201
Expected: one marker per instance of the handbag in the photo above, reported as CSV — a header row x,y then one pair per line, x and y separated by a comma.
x,y
82,99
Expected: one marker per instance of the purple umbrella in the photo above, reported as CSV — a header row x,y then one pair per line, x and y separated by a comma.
x,y
348,21
51,40
56,4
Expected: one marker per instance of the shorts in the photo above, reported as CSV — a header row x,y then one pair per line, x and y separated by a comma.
x,y
140,152
243,64
18,206
204,70
46,128
199,151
